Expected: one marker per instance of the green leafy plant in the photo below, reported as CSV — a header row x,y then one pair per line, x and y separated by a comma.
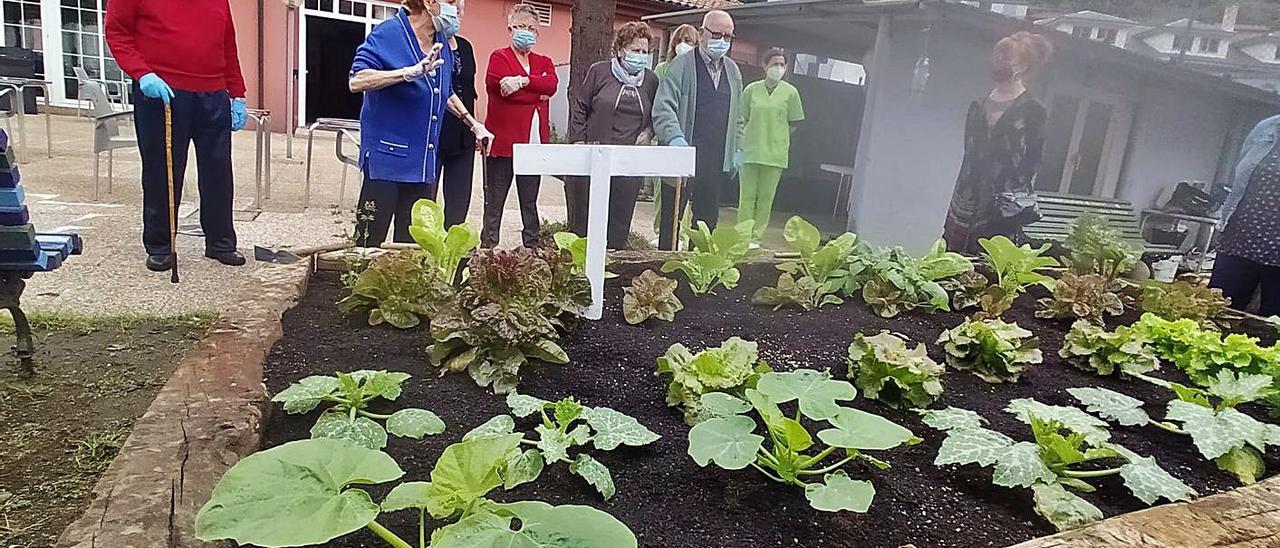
x,y
1203,353
507,312
562,428
576,247
732,367
347,416
1125,351
1233,440
650,296
1017,267
884,369
307,493
789,454
967,289
398,288
569,290
1096,248
713,262
1084,296
1184,300
817,276
892,281
446,247
993,350
1070,448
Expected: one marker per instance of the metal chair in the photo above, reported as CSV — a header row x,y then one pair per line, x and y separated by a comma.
x,y
14,110
107,136
346,130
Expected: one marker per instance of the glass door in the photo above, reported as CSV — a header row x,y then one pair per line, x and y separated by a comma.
x,y
85,48
1084,145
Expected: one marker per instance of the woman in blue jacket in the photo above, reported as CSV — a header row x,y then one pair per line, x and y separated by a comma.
x,y
1249,250
406,76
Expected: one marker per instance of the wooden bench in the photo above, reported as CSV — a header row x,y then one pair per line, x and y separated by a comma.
x,y
1060,211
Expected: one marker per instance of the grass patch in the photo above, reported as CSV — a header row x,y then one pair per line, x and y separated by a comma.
x,y
47,320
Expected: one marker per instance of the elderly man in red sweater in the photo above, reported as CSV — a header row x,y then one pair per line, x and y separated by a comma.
x,y
182,54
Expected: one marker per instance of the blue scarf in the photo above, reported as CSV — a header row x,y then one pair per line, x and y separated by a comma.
x,y
625,77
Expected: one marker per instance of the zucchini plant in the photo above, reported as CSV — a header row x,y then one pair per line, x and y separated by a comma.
x,y
715,257
732,367
650,296
884,369
308,492
1069,448
562,428
818,276
400,288
789,454
1017,267
993,350
1125,351
347,416
1203,353
1233,440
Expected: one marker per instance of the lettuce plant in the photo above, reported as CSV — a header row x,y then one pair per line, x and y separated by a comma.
x,y
789,454
1096,248
446,247
308,492
1203,353
993,350
732,367
398,288
884,369
347,416
1125,351
1084,296
967,289
1184,300
569,290
1017,267
1070,448
562,429
650,296
1233,440
576,247
507,312
817,276
713,262
892,281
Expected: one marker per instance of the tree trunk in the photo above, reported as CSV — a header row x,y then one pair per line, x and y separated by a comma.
x,y
592,40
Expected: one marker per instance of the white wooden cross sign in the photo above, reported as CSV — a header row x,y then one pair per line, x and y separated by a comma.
x,y
602,162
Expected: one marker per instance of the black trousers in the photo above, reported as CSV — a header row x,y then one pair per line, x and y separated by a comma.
x,y
1240,278
203,119
459,169
383,204
623,192
703,190
497,184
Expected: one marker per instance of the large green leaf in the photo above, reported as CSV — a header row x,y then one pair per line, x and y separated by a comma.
x,y
540,525
1020,466
295,494
1112,405
305,395
727,441
951,418
613,428
410,494
816,391
1216,433
719,404
467,471
495,427
1149,482
972,446
522,467
361,431
595,473
1235,390
801,236
555,444
414,423
1064,509
1244,462
856,429
523,406
1093,429
384,384
838,492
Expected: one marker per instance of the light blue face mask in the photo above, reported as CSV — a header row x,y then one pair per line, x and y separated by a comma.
x,y
449,20
718,48
636,61
524,39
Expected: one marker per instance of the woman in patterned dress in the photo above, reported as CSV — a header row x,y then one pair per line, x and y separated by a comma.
x,y
1249,250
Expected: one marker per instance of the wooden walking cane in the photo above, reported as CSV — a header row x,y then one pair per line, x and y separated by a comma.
x,y
677,215
173,207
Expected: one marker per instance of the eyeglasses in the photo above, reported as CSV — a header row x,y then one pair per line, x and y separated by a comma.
x,y
718,35
528,27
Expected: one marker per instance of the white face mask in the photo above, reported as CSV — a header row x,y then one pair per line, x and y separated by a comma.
x,y
683,48
775,73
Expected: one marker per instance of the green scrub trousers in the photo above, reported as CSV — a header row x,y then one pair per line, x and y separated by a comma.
x,y
766,151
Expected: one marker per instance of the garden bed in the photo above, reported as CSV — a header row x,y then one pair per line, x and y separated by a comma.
x,y
662,495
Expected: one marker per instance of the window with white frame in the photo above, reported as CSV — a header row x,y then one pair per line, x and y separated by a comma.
x,y
1107,36
1082,31
354,8
22,28
1208,45
84,47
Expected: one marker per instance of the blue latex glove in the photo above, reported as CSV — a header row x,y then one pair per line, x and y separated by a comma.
x,y
154,87
678,142
737,160
239,114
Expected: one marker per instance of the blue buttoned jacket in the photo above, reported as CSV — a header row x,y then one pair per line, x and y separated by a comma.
x,y
400,124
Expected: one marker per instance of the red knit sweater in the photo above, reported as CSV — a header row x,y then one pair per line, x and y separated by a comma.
x,y
191,44
510,118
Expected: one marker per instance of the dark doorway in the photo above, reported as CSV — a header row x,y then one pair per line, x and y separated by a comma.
x,y
331,45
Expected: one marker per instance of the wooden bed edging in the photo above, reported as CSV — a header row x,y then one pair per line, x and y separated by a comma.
x,y
205,418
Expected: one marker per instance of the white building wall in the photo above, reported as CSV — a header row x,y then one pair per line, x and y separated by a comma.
x,y
1262,52
1162,42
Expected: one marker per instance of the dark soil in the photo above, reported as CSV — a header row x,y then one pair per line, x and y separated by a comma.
x,y
94,378
662,495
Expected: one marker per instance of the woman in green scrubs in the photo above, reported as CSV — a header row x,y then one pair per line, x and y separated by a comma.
x,y
770,108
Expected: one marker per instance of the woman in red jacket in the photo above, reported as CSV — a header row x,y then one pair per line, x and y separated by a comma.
x,y
520,84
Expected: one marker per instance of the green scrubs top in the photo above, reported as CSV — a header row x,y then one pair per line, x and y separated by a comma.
x,y
768,118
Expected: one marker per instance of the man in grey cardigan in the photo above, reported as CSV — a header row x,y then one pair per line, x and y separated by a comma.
x,y
705,84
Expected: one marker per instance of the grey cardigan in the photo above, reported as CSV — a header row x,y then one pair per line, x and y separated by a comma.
x,y
673,109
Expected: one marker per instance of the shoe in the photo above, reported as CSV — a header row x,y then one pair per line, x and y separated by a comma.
x,y
160,263
229,258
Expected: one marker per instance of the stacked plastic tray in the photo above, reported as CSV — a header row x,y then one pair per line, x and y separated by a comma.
x,y
22,249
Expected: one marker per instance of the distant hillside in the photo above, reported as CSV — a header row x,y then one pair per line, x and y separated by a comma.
x,y
1252,12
